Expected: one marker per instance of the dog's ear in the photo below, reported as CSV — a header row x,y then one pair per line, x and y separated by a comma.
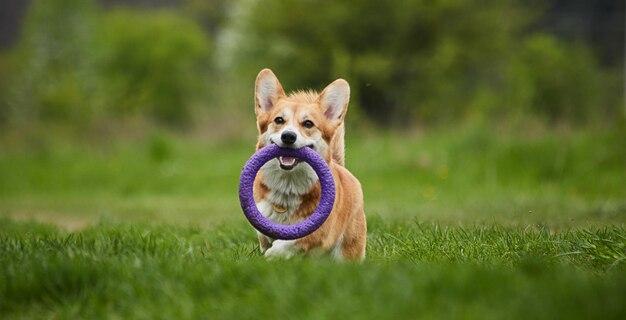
x,y
334,100
268,91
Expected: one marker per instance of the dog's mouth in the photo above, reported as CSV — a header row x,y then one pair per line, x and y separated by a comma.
x,y
288,163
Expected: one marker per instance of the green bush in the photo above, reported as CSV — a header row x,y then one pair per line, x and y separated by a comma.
x,y
554,81
153,63
77,64
405,60
422,61
55,73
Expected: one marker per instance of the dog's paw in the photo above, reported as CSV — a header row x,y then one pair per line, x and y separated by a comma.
x,y
281,249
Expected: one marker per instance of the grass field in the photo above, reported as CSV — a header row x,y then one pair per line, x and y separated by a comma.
x,y
472,224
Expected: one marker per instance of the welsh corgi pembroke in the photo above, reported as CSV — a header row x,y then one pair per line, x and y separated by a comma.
x,y
287,190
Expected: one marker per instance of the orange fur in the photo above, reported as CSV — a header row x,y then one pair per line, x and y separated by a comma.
x,y
345,230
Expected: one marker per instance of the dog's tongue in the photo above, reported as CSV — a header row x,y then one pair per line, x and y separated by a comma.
x,y
288,161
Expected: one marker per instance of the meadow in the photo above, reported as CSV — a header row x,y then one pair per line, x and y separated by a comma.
x,y
470,223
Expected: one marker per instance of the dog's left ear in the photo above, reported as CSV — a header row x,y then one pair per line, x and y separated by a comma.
x,y
334,100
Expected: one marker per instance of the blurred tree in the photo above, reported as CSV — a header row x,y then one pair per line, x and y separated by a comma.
x,y
599,23
55,69
154,62
212,14
405,60
555,81
414,60
75,64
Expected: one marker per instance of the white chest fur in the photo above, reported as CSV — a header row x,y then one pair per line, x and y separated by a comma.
x,y
286,190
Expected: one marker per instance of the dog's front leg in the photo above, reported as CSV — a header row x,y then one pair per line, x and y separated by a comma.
x,y
264,242
282,249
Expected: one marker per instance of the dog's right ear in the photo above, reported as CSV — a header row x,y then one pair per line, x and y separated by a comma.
x,y
268,91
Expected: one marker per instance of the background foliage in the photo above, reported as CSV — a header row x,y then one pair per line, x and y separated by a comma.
x,y
82,64
78,65
425,62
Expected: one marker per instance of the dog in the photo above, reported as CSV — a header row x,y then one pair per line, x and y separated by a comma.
x,y
287,190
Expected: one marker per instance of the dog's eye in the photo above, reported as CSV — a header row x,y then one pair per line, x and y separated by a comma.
x,y
308,124
279,120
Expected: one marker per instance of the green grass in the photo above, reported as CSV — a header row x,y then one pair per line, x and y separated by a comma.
x,y
474,224
413,270
563,180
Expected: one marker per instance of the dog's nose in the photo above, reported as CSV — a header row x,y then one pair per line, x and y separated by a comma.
x,y
288,137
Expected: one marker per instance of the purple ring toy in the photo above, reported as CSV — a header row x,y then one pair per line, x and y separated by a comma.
x,y
280,231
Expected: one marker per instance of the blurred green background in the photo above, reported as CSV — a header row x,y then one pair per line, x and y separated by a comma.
x,y
488,135
461,110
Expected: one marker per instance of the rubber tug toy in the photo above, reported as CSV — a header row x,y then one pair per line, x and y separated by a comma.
x,y
281,231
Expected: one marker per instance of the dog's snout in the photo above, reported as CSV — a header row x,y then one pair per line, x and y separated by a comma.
x,y
288,137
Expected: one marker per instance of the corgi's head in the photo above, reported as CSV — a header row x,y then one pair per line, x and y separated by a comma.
x,y
301,119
